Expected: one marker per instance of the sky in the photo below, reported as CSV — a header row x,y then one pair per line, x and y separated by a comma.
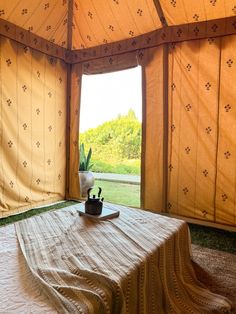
x,y
105,96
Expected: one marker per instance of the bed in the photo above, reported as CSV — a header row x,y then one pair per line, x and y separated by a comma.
x,y
136,263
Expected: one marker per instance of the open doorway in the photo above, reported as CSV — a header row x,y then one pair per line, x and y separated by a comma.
x,y
110,124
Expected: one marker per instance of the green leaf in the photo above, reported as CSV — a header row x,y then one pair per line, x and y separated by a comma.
x,y
84,164
88,158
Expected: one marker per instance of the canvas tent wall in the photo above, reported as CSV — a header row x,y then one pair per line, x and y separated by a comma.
x,y
187,52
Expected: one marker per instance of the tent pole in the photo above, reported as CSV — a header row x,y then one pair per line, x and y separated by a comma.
x,y
68,100
165,127
143,148
68,120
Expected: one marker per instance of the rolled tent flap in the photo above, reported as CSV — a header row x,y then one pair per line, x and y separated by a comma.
x,y
152,130
111,64
73,188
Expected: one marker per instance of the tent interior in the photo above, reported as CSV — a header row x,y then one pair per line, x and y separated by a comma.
x,y
187,52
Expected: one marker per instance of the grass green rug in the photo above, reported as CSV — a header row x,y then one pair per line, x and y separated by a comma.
x,y
34,211
213,238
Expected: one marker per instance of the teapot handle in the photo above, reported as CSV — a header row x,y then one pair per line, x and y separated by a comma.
x,y
99,192
88,192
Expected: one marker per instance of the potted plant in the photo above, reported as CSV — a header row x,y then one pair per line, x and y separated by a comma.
x,y
86,177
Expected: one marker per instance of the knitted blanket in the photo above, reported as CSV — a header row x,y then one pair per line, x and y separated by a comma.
x,y
136,263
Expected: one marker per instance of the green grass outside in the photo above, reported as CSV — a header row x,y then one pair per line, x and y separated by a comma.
x,y
129,166
119,193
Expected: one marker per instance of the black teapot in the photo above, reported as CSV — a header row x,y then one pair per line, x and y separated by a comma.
x,y
93,205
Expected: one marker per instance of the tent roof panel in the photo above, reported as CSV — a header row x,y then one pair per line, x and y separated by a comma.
x,y
46,19
102,22
189,11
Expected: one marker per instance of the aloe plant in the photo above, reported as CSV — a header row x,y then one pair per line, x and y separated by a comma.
x,y
84,164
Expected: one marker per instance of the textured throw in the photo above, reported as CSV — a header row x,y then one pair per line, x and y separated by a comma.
x,y
136,263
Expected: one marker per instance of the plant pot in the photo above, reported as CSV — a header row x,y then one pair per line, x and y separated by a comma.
x,y
86,180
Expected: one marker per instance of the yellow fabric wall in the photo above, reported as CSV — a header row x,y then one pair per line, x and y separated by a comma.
x,y
202,143
226,153
202,171
152,137
32,128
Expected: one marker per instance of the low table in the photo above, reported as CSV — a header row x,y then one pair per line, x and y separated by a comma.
x,y
138,262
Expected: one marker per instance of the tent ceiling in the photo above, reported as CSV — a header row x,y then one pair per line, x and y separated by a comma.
x,y
97,22
102,22
189,11
47,19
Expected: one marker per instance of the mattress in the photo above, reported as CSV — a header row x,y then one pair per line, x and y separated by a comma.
x,y
18,290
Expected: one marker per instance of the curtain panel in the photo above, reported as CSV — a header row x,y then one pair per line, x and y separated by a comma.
x,y
225,202
32,128
202,128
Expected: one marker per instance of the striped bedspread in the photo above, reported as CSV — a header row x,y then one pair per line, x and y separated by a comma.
x,y
136,263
